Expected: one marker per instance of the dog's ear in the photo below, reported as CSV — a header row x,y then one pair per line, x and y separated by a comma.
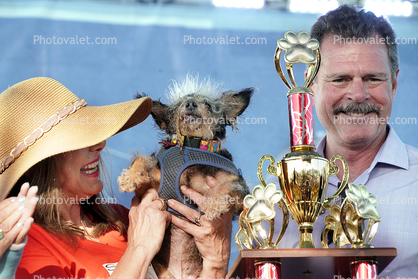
x,y
235,104
158,112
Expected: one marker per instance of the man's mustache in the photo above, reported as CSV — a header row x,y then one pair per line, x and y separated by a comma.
x,y
357,108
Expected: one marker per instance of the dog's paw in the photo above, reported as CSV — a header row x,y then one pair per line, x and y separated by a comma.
x,y
141,175
125,182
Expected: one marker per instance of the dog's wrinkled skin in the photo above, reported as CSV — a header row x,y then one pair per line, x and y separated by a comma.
x,y
196,110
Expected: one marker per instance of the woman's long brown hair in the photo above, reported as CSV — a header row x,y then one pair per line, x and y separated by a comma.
x,y
104,216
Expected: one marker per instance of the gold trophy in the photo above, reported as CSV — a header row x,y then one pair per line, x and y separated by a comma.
x,y
303,173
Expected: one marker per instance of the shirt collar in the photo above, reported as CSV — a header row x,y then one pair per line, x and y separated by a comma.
x,y
392,152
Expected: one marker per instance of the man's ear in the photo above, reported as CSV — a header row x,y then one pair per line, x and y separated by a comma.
x,y
158,112
235,104
395,84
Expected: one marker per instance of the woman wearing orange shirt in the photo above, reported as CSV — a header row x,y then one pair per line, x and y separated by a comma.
x,y
57,146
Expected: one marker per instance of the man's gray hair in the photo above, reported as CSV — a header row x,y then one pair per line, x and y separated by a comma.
x,y
352,22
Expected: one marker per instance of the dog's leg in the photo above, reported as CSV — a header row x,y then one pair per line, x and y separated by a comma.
x,y
141,175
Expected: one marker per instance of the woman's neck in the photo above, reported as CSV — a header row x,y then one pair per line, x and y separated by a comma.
x,y
72,213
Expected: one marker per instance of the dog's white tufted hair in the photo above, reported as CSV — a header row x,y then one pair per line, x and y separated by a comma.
x,y
191,85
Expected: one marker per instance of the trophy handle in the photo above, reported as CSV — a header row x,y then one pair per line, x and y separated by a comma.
x,y
344,209
271,168
285,222
243,237
279,68
333,169
324,236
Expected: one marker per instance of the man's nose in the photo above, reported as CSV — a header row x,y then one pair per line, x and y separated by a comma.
x,y
358,91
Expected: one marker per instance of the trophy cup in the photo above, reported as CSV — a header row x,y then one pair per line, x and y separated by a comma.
x,y
303,173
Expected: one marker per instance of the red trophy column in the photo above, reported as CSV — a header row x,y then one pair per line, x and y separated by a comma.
x,y
364,269
270,269
301,119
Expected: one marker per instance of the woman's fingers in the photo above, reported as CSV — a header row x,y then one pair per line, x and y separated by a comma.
x,y
196,197
212,237
135,201
15,213
30,203
184,224
24,189
10,215
25,227
148,220
4,204
15,216
150,201
149,196
191,214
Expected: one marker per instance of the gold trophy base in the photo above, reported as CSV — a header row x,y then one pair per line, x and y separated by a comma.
x,y
306,237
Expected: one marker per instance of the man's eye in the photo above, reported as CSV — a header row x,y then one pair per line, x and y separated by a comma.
x,y
338,80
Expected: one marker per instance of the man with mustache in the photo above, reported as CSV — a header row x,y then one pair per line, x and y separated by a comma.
x,y
353,95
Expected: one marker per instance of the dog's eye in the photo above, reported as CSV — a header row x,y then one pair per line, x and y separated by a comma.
x,y
208,106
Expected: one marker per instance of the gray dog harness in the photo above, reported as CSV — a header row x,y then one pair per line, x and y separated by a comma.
x,y
174,160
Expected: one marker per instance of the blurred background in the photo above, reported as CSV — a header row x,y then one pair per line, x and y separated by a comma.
x,y
106,51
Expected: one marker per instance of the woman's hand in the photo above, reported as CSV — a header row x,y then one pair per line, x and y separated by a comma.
x,y
213,238
16,217
148,220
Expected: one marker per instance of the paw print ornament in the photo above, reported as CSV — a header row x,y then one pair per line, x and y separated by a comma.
x,y
260,206
366,214
261,203
299,48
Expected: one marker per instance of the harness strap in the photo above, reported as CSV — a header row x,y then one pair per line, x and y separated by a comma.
x,y
174,161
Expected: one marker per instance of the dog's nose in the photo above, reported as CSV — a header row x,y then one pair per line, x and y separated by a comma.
x,y
191,105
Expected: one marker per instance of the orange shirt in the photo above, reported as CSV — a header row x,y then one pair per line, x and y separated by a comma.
x,y
48,257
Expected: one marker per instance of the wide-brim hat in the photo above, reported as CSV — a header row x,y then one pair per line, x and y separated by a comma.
x,y
40,117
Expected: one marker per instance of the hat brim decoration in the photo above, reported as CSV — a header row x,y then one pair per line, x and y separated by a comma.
x,y
40,118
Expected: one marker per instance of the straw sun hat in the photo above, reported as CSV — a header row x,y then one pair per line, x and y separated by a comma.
x,y
39,118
